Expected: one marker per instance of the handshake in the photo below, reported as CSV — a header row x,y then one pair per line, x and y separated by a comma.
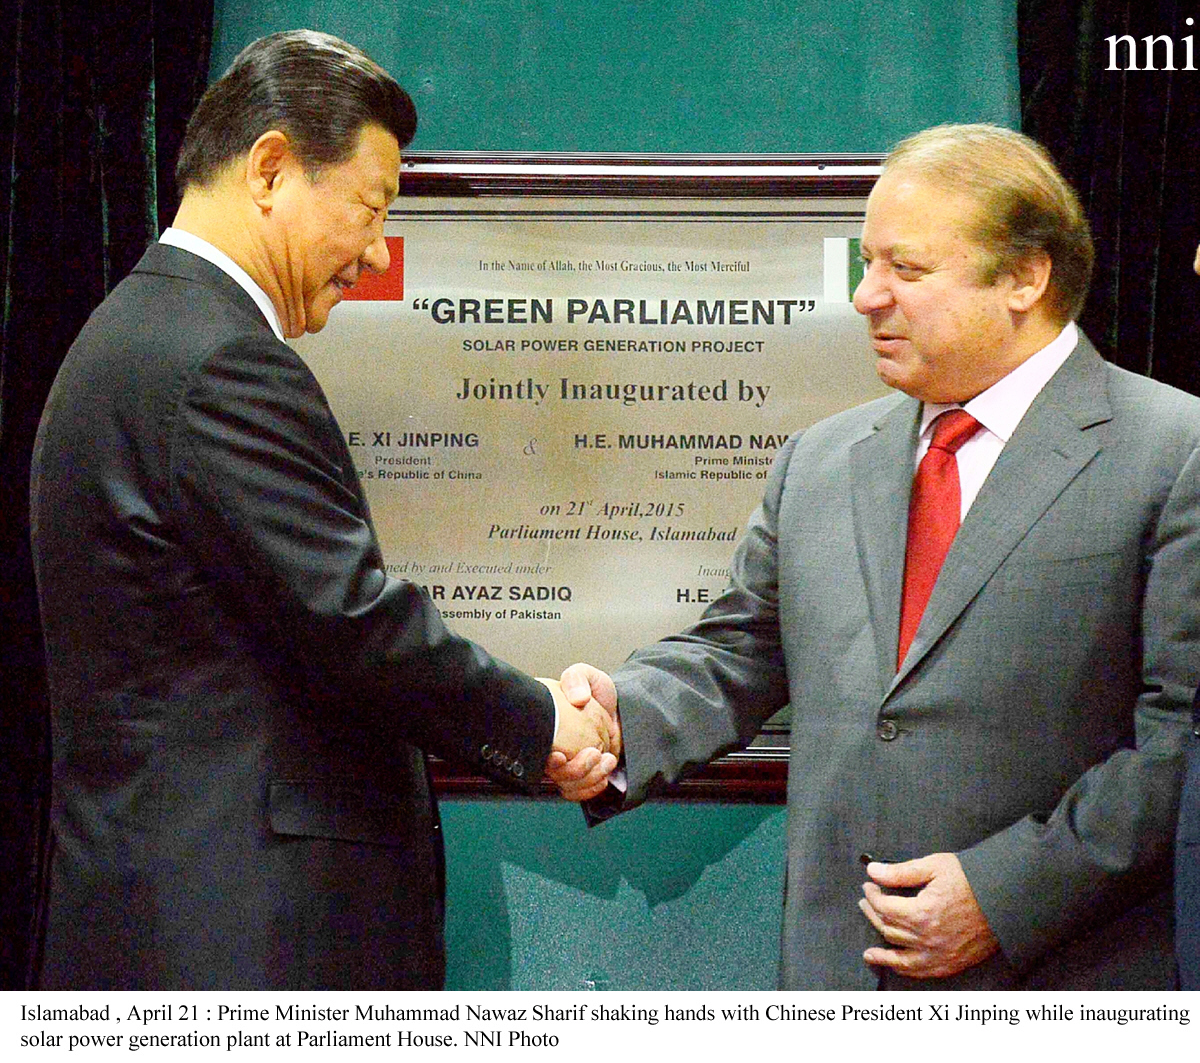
x,y
588,741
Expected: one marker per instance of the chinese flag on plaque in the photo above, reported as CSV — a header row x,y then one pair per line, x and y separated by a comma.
x,y
383,287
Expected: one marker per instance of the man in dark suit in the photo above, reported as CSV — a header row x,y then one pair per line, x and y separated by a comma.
x,y
241,696
990,717
1187,848
1187,860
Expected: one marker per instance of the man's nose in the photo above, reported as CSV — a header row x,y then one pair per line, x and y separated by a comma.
x,y
376,257
871,293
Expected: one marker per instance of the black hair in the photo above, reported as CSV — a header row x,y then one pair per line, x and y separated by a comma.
x,y
316,89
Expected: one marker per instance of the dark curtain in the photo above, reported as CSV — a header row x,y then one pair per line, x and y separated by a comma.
x,y
1129,140
95,97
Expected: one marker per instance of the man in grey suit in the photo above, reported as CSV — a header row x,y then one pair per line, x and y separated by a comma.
x,y
995,744
242,698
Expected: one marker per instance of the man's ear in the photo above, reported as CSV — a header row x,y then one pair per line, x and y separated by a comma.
x,y
267,163
1030,280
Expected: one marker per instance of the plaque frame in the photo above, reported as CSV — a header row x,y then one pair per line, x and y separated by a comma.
x,y
757,774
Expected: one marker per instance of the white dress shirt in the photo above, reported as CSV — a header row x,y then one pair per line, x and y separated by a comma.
x,y
999,410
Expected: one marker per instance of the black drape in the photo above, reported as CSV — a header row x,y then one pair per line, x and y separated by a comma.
x,y
1129,140
96,95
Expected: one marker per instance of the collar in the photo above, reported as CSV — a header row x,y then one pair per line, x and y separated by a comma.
x,y
186,241
1001,407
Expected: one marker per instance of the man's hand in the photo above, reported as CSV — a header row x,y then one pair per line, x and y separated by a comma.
x,y
582,682
586,746
585,775
935,934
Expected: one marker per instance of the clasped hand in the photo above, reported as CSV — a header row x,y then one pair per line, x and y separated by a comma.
x,y
588,741
939,932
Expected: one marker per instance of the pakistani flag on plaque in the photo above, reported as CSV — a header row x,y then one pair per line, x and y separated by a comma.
x,y
843,268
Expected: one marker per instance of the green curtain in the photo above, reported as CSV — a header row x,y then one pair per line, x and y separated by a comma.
x,y
1129,140
95,98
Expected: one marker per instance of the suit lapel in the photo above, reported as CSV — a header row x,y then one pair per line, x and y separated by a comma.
x,y
166,260
1049,448
881,472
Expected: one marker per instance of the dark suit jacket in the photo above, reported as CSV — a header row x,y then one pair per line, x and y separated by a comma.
x,y
1187,863
240,696
1036,727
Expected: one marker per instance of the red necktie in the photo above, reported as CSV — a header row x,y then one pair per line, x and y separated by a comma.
x,y
934,513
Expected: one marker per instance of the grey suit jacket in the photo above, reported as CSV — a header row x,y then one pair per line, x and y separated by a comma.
x,y
1035,727
240,696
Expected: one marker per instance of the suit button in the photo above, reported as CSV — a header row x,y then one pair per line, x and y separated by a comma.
x,y
887,730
